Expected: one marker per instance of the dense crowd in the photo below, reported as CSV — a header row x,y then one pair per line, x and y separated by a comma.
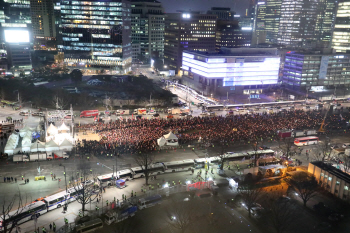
x,y
129,136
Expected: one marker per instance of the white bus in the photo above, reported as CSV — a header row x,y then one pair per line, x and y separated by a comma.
x,y
149,201
31,211
182,165
126,174
90,226
306,141
105,180
57,200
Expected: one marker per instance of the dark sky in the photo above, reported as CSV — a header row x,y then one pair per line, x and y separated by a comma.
x,y
172,6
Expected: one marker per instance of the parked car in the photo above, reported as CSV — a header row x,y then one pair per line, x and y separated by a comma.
x,y
264,147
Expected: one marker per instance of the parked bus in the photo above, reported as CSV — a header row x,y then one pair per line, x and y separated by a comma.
x,y
182,165
306,141
57,200
90,226
149,201
125,174
105,180
31,211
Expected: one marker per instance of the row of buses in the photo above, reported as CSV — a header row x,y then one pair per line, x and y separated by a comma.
x,y
175,166
58,200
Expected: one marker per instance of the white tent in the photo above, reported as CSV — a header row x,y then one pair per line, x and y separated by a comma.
x,y
161,141
51,146
37,146
52,130
66,145
26,143
171,139
25,130
63,127
170,136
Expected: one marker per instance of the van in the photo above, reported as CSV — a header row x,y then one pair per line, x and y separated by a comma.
x,y
149,201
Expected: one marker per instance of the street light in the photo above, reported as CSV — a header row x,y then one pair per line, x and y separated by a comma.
x,y
65,180
165,66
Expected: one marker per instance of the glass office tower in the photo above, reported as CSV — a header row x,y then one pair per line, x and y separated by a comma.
x,y
341,33
96,35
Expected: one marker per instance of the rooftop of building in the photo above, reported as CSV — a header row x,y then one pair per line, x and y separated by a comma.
x,y
315,52
233,52
332,170
220,9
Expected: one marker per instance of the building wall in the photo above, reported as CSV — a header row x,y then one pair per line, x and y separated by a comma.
x,y
307,70
341,33
229,34
96,35
148,28
331,183
43,20
187,31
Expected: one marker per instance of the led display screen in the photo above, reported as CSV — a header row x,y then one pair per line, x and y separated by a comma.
x,y
15,36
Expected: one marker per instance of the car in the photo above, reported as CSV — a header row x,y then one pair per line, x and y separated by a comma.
x,y
69,116
264,147
170,116
24,113
183,114
99,120
156,115
334,147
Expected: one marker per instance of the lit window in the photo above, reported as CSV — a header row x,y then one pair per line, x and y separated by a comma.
x,y
329,178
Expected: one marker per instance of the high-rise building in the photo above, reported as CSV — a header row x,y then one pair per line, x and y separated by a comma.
x,y
229,34
341,33
306,23
189,31
316,70
17,11
43,24
147,30
268,13
223,13
96,35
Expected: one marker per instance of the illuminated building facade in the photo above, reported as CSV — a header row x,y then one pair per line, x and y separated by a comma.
x,y
17,11
316,70
43,23
229,34
306,23
96,35
341,33
268,13
147,25
187,31
223,13
234,70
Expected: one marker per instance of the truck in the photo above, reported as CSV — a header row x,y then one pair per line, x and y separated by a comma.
x,y
89,113
140,111
152,111
284,133
39,157
299,133
123,112
124,213
20,158
60,155
174,111
31,157
310,132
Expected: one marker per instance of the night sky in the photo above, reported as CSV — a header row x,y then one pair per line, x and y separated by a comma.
x,y
172,6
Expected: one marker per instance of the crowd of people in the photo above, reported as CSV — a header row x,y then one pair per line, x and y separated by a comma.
x,y
130,136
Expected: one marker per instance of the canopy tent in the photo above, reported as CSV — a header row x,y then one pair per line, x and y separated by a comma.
x,y
170,136
52,130
25,130
37,146
63,127
26,143
171,139
66,145
161,141
51,146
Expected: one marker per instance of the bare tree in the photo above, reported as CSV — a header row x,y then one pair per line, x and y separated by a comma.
x,y
181,214
250,193
87,191
323,150
304,185
10,208
286,144
281,214
145,161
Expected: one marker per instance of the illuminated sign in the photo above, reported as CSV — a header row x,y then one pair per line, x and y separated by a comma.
x,y
15,36
247,28
186,16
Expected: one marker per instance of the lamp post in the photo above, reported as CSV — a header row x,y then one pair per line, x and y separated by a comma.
x,y
64,173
